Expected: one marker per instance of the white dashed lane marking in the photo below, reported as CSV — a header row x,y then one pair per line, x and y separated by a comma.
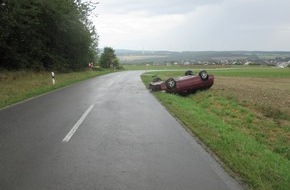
x,y
76,126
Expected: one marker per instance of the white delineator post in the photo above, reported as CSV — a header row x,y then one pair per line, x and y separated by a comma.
x,y
52,77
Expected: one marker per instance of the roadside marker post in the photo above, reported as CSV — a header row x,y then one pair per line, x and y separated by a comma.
x,y
53,78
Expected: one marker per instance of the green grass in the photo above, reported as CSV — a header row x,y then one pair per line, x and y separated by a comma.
x,y
254,71
238,71
220,70
18,86
253,146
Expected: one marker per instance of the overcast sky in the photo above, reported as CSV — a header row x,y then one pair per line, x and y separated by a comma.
x,y
194,25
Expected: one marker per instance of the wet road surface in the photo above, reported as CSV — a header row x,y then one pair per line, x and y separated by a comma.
x,y
104,133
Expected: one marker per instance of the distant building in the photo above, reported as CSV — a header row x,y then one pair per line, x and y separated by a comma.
x,y
283,64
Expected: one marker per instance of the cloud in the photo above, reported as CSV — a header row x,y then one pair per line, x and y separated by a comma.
x,y
194,25
163,7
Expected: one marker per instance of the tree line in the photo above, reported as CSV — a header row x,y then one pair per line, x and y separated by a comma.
x,y
47,35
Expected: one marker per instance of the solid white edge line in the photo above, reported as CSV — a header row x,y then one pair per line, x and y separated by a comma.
x,y
76,126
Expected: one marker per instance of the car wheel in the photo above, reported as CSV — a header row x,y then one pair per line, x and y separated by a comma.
x,y
170,84
203,75
189,72
157,79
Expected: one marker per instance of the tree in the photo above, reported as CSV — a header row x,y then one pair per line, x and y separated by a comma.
x,y
46,35
108,58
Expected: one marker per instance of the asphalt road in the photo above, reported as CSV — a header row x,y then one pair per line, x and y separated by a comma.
x,y
104,133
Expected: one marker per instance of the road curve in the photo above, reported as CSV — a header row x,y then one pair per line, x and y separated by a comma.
x,y
105,133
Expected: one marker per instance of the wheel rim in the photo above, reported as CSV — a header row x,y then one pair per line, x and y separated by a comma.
x,y
203,75
171,83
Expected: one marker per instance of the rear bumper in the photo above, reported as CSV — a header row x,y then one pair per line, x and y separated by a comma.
x,y
157,86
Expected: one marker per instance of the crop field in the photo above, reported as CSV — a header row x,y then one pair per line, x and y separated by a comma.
x,y
173,67
244,119
137,57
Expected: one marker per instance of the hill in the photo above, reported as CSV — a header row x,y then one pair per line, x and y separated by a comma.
x,y
140,56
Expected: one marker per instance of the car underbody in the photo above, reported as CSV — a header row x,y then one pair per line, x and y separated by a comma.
x,y
184,84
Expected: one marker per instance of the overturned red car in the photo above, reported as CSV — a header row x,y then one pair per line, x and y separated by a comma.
x,y
184,84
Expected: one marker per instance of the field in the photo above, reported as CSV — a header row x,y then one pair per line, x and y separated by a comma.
x,y
168,68
19,86
244,119
133,57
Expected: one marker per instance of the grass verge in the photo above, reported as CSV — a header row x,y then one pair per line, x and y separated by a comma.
x,y
18,86
252,144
